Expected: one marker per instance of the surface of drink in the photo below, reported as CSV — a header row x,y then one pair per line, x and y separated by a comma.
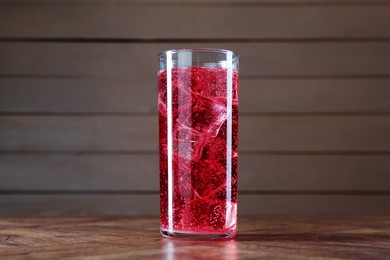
x,y
204,128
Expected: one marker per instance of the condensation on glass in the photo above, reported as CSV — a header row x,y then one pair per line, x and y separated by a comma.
x,y
198,142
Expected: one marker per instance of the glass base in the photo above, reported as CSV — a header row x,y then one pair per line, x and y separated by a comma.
x,y
195,236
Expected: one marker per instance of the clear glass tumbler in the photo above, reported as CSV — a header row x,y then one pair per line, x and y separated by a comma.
x,y
198,136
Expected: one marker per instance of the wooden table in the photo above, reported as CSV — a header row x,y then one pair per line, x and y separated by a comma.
x,y
126,237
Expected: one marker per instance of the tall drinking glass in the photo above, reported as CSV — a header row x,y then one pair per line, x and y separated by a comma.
x,y
198,134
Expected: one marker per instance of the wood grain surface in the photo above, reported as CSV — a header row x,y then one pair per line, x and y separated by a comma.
x,y
133,203
138,60
139,172
258,237
205,2
262,96
156,22
139,133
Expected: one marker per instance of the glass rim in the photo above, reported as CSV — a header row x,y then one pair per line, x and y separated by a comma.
x,y
205,50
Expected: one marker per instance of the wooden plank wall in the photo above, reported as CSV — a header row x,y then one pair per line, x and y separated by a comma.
x,y
78,96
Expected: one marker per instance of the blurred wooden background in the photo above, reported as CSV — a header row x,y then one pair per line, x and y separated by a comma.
x,y
78,102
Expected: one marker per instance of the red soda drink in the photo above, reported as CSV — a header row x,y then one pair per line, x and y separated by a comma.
x,y
198,148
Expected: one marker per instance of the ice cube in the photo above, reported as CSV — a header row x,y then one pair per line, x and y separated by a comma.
x,y
207,115
208,178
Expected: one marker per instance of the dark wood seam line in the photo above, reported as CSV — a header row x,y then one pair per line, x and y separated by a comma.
x,y
153,192
311,77
155,152
317,153
242,77
119,40
317,192
244,114
242,4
